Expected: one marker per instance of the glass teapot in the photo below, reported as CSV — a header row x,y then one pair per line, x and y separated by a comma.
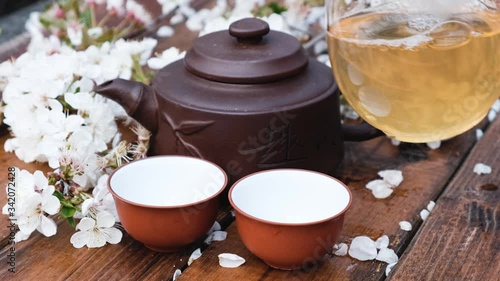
x,y
419,70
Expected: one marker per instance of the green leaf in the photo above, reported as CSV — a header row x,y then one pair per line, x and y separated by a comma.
x,y
67,212
270,8
48,22
66,203
76,7
86,18
71,221
59,195
86,40
107,35
276,8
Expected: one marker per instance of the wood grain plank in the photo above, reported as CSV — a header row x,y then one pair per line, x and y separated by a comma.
x,y
461,238
426,173
54,258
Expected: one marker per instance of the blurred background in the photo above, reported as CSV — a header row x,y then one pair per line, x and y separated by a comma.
x,y
13,15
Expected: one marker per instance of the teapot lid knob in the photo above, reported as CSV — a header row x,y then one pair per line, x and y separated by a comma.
x,y
249,30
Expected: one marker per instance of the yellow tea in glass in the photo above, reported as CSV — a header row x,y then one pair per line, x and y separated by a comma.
x,y
417,75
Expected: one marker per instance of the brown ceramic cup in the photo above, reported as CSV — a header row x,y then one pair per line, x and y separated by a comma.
x,y
167,202
289,218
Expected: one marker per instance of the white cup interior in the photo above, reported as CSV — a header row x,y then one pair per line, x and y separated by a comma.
x,y
167,181
290,196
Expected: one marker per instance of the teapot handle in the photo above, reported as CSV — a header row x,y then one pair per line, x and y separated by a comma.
x,y
360,132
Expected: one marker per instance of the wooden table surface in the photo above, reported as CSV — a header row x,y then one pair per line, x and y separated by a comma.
x,y
459,241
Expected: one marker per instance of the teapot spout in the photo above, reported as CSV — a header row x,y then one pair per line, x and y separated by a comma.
x,y
137,99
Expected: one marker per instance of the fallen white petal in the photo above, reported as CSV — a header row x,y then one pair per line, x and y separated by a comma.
x,y
177,273
323,58
496,105
341,249
431,205
374,183
209,239
215,227
381,192
219,235
479,134
492,115
387,255
481,168
424,214
405,225
395,142
194,256
230,260
320,47
382,242
176,19
389,268
393,177
165,31
434,144
363,248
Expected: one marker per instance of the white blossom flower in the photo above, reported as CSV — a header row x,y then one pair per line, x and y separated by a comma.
x,y
165,31
75,33
95,233
33,25
34,217
26,183
115,6
102,200
177,18
143,48
95,32
138,12
165,58
169,5
21,236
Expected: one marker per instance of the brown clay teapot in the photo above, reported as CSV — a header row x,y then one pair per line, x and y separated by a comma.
x,y
247,99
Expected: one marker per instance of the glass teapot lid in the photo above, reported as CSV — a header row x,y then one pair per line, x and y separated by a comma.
x,y
250,53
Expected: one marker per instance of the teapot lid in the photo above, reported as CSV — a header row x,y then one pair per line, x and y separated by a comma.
x,y
248,53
